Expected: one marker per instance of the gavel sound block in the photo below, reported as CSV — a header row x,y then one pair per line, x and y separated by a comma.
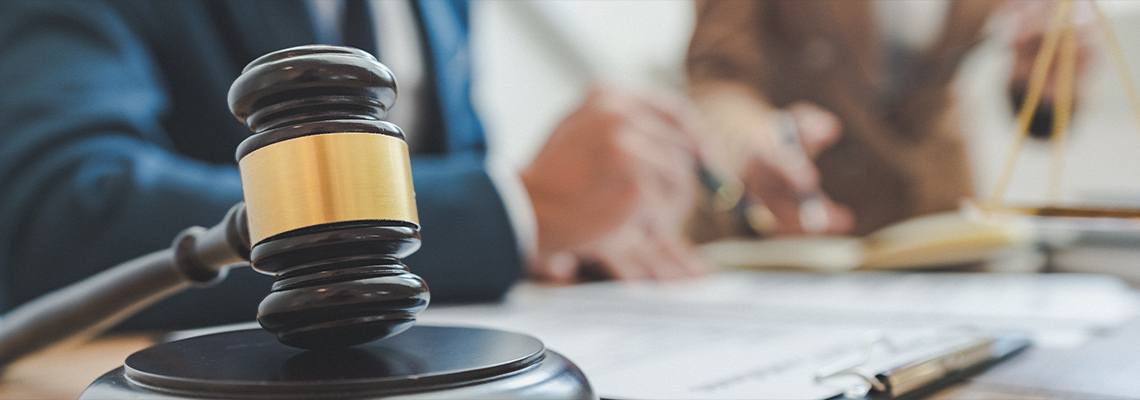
x,y
331,213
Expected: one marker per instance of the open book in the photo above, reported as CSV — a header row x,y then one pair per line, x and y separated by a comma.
x,y
928,241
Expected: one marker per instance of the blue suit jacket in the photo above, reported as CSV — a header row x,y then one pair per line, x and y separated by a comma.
x,y
115,136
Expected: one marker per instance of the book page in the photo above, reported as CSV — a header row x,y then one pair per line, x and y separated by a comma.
x,y
816,253
928,241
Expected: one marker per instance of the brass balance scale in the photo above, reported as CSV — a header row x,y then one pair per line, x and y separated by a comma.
x,y
1060,44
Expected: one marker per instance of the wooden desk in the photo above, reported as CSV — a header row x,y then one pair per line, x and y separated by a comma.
x,y
64,372
1108,366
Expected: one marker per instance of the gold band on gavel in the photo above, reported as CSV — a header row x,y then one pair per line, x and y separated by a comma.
x,y
320,179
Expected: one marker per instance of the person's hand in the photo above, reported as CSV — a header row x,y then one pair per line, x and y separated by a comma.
x,y
769,152
612,188
779,176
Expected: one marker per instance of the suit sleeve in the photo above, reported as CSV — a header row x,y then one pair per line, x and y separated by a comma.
x,y
89,179
469,250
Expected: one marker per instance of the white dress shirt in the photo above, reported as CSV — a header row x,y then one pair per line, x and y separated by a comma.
x,y
401,50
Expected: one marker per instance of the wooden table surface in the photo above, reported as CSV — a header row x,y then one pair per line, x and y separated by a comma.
x,y
63,372
1107,367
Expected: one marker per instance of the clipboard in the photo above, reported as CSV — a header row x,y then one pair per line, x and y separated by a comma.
x,y
924,368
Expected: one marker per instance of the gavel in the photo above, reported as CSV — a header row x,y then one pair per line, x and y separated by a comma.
x,y
329,210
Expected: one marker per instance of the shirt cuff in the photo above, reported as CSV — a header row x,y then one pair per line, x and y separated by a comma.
x,y
520,211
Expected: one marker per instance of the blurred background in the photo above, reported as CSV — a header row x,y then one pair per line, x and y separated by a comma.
x,y
537,56
533,60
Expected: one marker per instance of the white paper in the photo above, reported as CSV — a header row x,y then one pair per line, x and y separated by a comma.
x,y
765,334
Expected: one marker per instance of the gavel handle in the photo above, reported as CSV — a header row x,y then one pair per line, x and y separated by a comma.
x,y
199,257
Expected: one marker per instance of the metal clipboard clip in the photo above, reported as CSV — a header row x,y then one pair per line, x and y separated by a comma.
x,y
892,369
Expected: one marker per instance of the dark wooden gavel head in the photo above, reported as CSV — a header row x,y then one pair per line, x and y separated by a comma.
x,y
329,196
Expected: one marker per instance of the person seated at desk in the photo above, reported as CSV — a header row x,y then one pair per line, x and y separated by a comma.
x,y
115,135
868,83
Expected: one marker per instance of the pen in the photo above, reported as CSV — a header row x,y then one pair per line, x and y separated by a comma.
x,y
812,209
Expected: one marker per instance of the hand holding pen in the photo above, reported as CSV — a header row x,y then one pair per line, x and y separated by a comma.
x,y
775,186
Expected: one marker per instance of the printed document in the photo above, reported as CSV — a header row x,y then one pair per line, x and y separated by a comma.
x,y
765,334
